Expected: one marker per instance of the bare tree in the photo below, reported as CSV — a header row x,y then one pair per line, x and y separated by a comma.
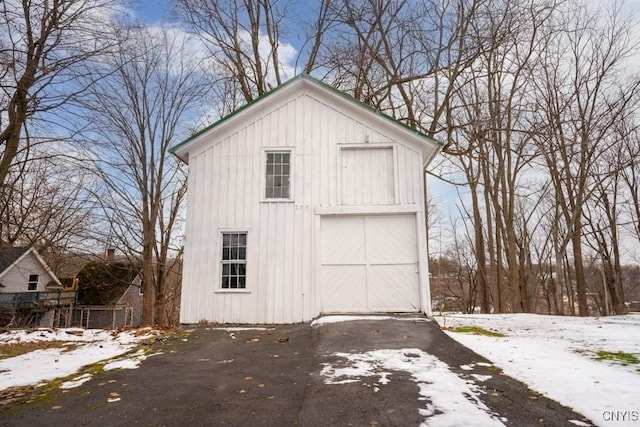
x,y
401,57
488,111
43,48
137,114
244,39
605,217
629,155
47,203
580,100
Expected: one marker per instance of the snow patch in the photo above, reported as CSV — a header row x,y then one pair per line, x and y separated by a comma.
x,y
91,346
76,382
325,320
449,399
131,362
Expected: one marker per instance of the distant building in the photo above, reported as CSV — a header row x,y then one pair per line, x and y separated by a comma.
x,y
30,293
109,295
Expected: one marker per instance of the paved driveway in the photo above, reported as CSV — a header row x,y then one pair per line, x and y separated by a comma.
x,y
278,377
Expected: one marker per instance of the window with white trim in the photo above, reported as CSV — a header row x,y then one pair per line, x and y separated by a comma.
x,y
33,282
234,260
278,175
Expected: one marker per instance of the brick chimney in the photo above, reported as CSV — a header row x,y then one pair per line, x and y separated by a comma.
x,y
111,252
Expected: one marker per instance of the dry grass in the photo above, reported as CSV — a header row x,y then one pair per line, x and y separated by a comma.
x,y
13,350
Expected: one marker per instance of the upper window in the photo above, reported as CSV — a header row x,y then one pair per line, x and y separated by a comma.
x,y
278,175
234,260
33,282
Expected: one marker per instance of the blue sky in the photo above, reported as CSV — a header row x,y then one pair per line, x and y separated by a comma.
x,y
151,11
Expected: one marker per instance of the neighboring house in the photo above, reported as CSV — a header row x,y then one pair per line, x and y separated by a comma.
x,y
305,201
109,296
30,294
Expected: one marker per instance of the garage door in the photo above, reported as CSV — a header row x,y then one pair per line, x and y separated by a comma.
x,y
369,263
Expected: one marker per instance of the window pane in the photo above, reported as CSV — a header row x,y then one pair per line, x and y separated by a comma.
x,y
269,194
277,175
234,249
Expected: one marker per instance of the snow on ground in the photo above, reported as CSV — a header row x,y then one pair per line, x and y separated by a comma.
x,y
324,320
81,347
555,356
449,400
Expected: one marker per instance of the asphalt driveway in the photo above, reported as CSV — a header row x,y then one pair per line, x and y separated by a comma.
x,y
274,377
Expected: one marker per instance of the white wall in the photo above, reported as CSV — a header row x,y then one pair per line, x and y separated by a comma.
x,y
16,278
225,188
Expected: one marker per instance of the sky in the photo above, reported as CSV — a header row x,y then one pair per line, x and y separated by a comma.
x,y
153,11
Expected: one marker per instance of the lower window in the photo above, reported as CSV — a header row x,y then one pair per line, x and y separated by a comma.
x,y
234,261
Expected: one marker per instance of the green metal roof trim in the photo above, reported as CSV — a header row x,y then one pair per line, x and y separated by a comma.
x,y
319,82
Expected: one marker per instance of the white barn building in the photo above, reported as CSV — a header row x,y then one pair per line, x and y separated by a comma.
x,y
305,201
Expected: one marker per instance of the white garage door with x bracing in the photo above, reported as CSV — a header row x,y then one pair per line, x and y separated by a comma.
x,y
369,264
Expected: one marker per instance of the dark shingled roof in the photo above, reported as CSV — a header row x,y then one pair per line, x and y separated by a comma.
x,y
10,254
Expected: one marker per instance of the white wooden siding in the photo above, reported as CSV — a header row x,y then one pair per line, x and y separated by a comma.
x,y
16,278
225,190
369,263
368,176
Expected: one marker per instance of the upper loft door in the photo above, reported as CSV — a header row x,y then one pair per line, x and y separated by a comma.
x,y
367,176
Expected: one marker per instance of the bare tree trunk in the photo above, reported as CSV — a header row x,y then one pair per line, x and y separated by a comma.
x,y
581,289
135,114
41,53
